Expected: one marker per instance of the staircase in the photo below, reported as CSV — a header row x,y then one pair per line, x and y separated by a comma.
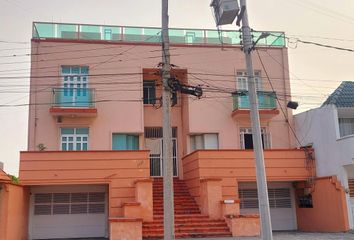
x,y
189,222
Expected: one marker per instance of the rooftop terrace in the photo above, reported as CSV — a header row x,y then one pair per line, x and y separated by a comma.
x,y
46,30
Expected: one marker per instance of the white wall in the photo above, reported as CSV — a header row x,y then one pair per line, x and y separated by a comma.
x,y
333,154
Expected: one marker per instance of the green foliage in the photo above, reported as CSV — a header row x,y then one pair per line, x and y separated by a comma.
x,y
14,179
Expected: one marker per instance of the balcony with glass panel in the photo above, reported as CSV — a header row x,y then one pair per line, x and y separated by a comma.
x,y
73,102
88,32
267,104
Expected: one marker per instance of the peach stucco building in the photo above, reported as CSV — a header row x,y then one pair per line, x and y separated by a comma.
x,y
93,164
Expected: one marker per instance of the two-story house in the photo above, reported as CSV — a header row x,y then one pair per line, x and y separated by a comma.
x,y
329,129
95,133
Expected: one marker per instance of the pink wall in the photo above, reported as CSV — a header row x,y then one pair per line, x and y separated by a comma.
x,y
329,212
13,212
117,169
126,113
233,166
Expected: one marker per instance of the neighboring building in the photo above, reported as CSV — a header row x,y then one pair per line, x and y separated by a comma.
x,y
95,134
329,129
13,208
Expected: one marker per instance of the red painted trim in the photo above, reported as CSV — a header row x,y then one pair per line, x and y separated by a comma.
x,y
125,219
90,151
72,110
143,180
247,216
244,150
262,111
214,179
60,40
131,204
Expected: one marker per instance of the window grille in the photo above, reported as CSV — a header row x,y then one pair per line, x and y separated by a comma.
x,y
278,198
69,203
156,132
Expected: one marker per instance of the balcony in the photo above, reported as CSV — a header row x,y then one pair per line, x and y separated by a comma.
x,y
74,102
88,32
267,104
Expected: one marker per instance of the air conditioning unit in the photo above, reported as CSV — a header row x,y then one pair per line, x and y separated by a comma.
x,y
225,11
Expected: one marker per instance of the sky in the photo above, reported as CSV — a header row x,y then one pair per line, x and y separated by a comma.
x,y
315,72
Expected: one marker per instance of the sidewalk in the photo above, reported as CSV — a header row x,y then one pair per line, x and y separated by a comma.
x,y
295,236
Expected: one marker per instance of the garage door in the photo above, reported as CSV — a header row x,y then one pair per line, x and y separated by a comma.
x,y
282,207
68,212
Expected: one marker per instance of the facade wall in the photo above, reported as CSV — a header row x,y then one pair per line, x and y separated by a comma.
x,y
118,169
327,192
13,212
234,166
120,108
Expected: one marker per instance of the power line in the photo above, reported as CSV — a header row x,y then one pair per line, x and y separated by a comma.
x,y
280,105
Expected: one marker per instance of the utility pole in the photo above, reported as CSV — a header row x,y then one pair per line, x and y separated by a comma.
x,y
266,225
167,162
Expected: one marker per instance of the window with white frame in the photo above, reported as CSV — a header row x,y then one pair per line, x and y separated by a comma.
x,y
242,82
204,141
246,138
74,139
346,126
75,91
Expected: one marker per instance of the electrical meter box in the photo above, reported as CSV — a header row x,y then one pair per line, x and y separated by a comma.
x,y
225,11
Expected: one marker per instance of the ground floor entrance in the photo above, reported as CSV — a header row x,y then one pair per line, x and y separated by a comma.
x,y
75,211
156,160
281,201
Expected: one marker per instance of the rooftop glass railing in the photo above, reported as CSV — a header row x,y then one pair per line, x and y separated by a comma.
x,y
148,34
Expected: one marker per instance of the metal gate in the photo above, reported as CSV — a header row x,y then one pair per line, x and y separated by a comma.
x,y
156,160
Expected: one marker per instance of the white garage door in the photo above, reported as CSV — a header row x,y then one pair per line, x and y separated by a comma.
x,y
68,212
281,202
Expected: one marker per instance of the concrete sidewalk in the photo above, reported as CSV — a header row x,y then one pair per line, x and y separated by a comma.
x,y
294,236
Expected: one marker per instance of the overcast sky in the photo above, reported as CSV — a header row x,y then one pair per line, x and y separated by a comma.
x,y
315,72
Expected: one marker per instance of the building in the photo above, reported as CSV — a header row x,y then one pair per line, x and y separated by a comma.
x,y
13,207
329,129
95,126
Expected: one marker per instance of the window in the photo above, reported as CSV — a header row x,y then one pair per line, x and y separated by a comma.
x,y
74,91
242,83
346,126
246,138
351,187
204,141
69,203
149,91
125,141
74,139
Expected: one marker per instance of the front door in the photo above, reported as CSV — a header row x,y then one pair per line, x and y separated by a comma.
x,y
156,160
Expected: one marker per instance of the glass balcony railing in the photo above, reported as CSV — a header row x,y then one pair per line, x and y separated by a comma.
x,y
73,97
148,34
266,100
